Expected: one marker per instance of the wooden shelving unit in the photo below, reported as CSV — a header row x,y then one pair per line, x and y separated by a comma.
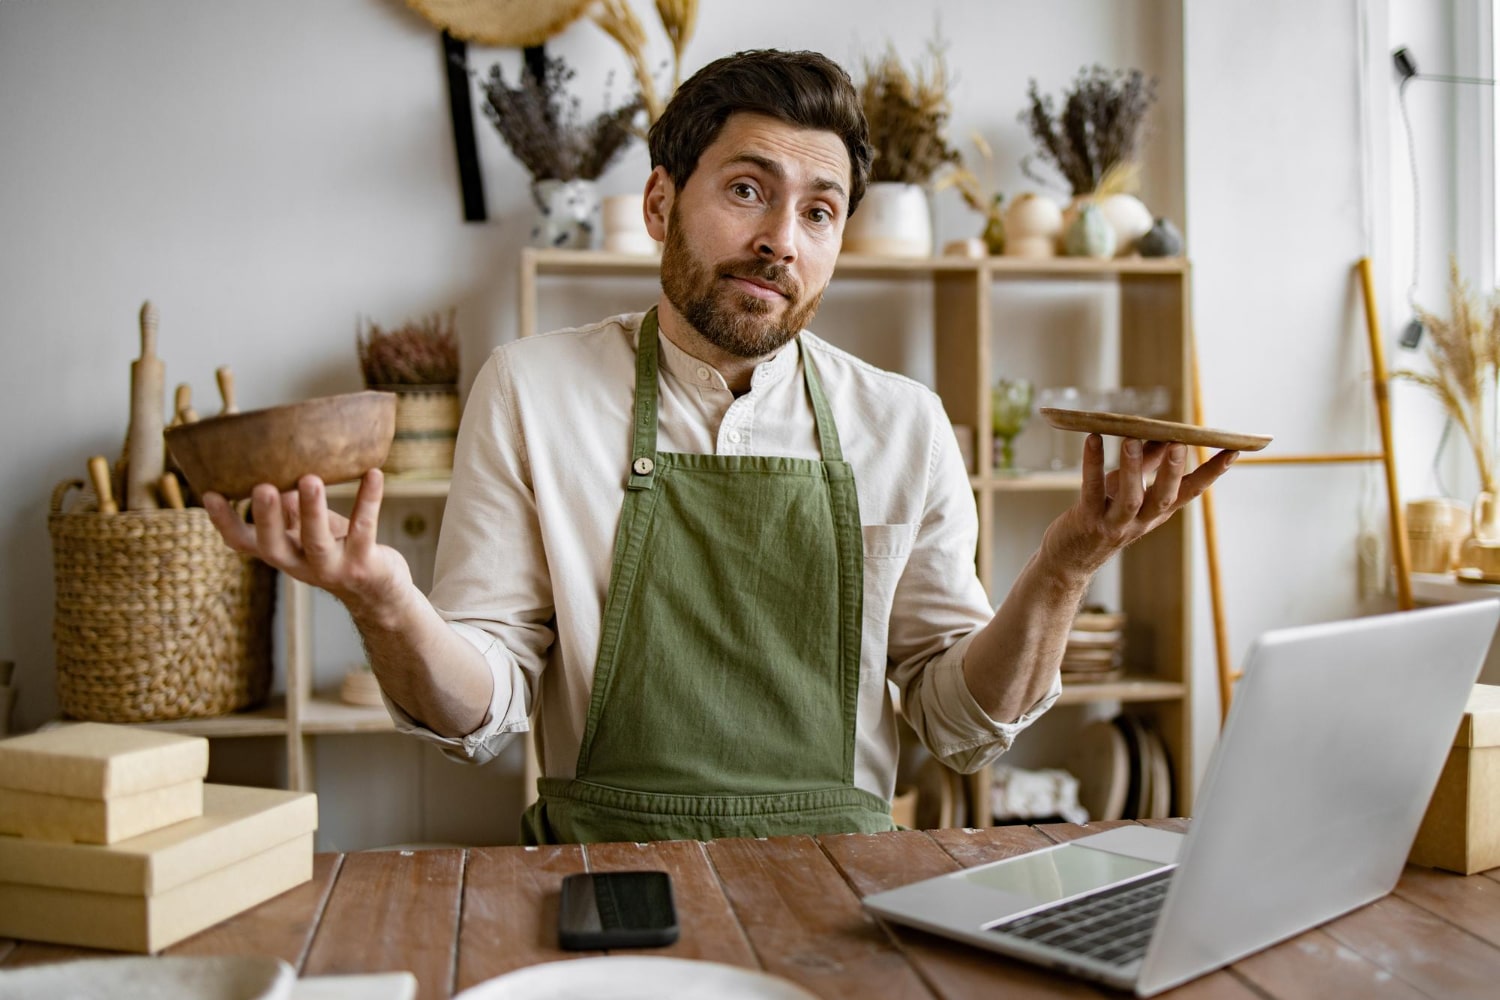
x,y
1153,299
1155,572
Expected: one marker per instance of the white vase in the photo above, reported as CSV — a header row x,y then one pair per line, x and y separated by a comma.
x,y
567,213
892,220
1033,224
625,226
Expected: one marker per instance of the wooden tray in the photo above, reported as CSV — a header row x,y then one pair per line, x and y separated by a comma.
x,y
1148,429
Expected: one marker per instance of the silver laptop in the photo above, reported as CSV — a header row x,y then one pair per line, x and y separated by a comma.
x,y
1309,807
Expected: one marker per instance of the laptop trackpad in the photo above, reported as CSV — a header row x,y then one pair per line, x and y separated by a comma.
x,y
1058,873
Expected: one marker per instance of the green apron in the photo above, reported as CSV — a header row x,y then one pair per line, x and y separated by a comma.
x,y
726,685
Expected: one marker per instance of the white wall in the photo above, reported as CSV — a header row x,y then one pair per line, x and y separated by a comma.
x,y
267,170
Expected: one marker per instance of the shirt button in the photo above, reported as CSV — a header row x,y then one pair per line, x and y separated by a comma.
x,y
703,373
643,466
735,437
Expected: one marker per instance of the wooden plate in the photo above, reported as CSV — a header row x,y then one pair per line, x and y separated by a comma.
x,y
1101,763
1161,775
1148,429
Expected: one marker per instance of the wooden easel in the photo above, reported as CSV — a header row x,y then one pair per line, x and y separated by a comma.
x,y
1386,455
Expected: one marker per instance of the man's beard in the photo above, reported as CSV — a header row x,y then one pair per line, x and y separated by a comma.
x,y
733,321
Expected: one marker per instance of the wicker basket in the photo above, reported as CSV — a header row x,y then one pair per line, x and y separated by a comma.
x,y
156,618
426,429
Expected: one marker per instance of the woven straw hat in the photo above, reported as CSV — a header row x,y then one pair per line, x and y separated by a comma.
x,y
511,23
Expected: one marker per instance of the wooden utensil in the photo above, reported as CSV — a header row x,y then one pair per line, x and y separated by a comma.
x,y
171,492
146,461
182,406
99,476
226,389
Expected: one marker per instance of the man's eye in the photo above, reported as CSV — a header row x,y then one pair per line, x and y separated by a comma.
x,y
743,191
820,215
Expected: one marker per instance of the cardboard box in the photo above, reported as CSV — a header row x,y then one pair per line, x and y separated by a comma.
x,y
148,892
1461,831
98,821
93,760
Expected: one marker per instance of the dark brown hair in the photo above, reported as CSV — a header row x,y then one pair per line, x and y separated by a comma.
x,y
806,89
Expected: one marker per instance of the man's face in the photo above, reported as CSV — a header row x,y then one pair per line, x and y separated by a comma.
x,y
752,237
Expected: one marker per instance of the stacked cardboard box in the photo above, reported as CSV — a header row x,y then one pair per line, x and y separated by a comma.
x,y
1461,830
113,839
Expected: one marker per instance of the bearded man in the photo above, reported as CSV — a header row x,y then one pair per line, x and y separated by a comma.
x,y
697,544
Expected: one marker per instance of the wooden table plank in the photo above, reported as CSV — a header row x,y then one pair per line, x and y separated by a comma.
x,y
806,924
710,931
510,910
392,911
281,927
1470,903
1420,949
1315,966
950,968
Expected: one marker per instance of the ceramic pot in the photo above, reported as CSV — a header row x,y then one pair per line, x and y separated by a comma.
x,y
892,220
1128,217
1090,234
567,213
1033,224
1161,240
625,226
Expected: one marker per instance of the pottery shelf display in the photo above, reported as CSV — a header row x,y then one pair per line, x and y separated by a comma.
x,y
417,361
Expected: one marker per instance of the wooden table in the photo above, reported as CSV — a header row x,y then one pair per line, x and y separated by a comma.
x,y
790,906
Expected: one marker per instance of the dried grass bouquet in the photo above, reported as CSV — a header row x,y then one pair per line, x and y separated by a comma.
x,y
1465,354
420,352
908,112
1098,129
678,19
540,122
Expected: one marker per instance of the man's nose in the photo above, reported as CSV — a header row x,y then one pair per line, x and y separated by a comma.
x,y
777,239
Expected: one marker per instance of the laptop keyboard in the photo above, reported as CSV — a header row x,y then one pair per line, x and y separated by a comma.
x,y
1112,926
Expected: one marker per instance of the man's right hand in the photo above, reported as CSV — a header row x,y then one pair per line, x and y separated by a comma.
x,y
296,533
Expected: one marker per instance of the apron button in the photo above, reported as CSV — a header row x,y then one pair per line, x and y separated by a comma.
x,y
643,466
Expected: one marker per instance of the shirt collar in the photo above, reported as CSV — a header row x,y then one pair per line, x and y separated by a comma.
x,y
689,369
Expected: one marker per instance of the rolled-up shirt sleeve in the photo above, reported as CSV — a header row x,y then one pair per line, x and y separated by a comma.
x,y
940,604
490,574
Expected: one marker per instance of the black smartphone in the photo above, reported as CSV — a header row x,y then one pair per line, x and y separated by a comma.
x,y
616,910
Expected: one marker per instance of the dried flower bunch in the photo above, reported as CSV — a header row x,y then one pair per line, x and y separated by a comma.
x,y
678,19
541,124
419,352
1465,354
908,113
1098,128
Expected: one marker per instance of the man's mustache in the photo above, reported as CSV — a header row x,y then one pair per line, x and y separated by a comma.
x,y
775,275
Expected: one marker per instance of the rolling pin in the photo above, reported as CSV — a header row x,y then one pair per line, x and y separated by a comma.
x,y
144,442
99,476
226,389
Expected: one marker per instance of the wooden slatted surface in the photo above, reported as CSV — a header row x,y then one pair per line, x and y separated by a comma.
x,y
791,906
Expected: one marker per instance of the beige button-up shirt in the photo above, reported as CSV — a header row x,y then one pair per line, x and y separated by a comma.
x,y
528,533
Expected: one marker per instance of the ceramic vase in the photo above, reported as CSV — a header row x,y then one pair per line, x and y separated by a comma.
x,y
1161,240
625,226
1033,223
892,220
567,213
1128,217
1090,234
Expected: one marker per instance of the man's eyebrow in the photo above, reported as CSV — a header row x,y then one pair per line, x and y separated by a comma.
x,y
776,170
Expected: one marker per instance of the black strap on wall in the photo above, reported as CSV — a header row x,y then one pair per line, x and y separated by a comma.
x,y
456,60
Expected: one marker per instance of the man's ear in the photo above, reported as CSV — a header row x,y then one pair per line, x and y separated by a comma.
x,y
660,192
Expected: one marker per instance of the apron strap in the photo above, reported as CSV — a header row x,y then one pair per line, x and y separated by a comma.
x,y
643,436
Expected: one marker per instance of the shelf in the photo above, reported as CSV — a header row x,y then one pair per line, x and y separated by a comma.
x,y
268,720
594,262
1126,690
1445,588
398,488
326,713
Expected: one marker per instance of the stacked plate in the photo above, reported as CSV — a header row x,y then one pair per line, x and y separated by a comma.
x,y
1123,770
1095,649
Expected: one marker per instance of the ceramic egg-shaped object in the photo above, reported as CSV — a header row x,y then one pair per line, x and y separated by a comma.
x,y
1162,240
1090,234
1033,223
1128,217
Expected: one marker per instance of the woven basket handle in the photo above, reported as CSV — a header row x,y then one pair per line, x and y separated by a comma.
x,y
60,492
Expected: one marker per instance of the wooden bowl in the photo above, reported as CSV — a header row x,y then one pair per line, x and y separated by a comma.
x,y
337,438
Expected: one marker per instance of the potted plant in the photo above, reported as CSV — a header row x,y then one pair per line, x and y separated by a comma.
x,y
418,361
907,110
1093,142
565,155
